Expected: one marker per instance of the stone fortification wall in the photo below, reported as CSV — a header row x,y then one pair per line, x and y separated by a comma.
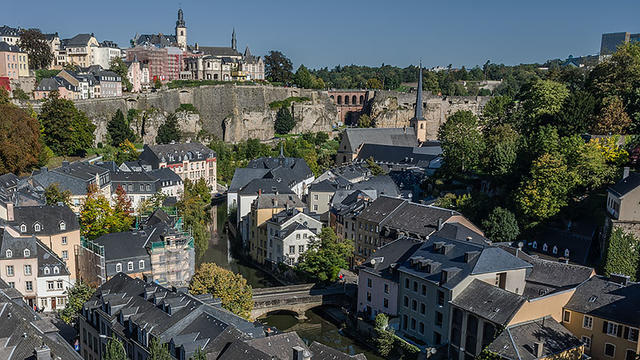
x,y
390,109
228,112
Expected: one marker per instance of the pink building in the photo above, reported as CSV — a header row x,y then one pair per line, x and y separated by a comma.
x,y
164,64
65,89
13,62
378,278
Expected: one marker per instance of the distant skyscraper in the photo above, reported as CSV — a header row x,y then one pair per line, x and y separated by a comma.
x,y
611,41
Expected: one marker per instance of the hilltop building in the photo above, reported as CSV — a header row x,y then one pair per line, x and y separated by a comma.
x,y
14,63
611,41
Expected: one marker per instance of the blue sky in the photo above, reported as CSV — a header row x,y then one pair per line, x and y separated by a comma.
x,y
331,32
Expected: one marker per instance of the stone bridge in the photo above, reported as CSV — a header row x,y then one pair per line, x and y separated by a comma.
x,y
349,103
297,298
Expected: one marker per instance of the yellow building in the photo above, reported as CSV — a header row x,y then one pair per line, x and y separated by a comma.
x,y
604,313
263,208
79,49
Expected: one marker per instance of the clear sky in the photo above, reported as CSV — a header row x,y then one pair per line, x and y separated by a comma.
x,y
331,32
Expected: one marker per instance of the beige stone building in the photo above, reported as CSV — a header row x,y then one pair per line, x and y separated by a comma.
x,y
14,63
79,49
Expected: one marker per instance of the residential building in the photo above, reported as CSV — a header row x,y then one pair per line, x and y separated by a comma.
x,y
164,64
224,63
158,250
14,63
55,225
10,35
289,235
604,314
30,267
439,271
26,334
59,55
109,84
105,53
85,84
139,186
378,278
80,49
352,139
265,207
65,89
138,75
320,194
571,242
75,177
192,161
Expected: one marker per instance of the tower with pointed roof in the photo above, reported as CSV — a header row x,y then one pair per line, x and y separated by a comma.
x,y
234,44
418,122
181,31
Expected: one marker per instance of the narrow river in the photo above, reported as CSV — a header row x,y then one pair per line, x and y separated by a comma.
x,y
315,328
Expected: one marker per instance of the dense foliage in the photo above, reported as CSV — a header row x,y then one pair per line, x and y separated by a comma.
x,y
54,195
65,129
277,67
623,254
194,209
118,129
114,350
159,351
98,217
325,257
77,296
232,289
34,43
501,225
169,131
20,145
285,121
118,66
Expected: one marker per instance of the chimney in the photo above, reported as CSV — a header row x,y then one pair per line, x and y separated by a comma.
x,y
10,212
43,353
439,224
625,174
538,347
299,353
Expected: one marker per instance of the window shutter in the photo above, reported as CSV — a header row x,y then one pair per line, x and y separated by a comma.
x,y
619,330
626,332
604,326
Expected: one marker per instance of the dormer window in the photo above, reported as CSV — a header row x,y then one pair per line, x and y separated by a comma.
x,y
555,249
36,227
23,228
46,270
56,270
545,247
118,267
566,252
27,253
534,245
9,254
130,266
63,226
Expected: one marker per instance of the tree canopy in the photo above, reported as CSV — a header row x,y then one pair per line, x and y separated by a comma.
x,y
54,195
65,129
232,289
76,297
284,121
35,44
325,256
118,66
194,210
278,67
98,217
169,131
118,129
20,144
461,142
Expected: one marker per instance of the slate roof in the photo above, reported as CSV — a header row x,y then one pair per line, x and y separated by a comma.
x,y
458,231
489,302
600,297
380,209
9,48
382,184
324,352
77,41
159,40
17,245
218,51
153,154
8,181
165,174
405,155
266,186
449,255
242,176
279,346
48,216
323,186
517,341
9,31
267,201
383,136
289,170
577,240
48,259
124,245
389,256
38,331
626,185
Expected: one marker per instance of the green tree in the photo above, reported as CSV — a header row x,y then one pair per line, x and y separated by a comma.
x,y
126,151
364,121
193,207
284,121
501,225
118,66
577,116
497,111
232,289
65,129
613,119
544,100
622,254
34,43
374,83
501,155
97,217
461,141
157,84
488,355
169,131
20,145
303,78
118,129
19,94
384,337
158,351
54,195
149,205
589,163
76,297
374,167
325,256
199,355
278,67
544,192
114,350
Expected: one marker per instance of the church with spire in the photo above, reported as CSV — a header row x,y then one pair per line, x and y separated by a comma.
x,y
418,122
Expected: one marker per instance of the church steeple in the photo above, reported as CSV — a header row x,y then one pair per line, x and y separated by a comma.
x,y
418,122
418,111
180,21
233,40
181,31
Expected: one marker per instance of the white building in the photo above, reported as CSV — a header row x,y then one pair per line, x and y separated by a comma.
x,y
103,55
53,280
289,235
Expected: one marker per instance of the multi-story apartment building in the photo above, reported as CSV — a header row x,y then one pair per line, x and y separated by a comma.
x,y
105,53
603,313
109,84
264,208
192,161
75,177
351,140
142,185
80,49
611,41
10,35
30,267
55,225
55,46
164,64
65,89
138,75
289,235
14,63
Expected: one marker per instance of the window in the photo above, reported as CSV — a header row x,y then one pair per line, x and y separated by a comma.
x,y
438,318
46,270
27,269
27,253
130,266
368,282
301,248
555,249
386,288
415,286
315,196
56,270
421,327
292,249
64,240
406,283
422,308
587,322
631,334
566,252
12,284
534,245
406,301
368,296
36,227
611,328
141,264
567,316
413,324
65,254
49,285
631,355
437,338
59,284
10,270
23,228
424,290
63,226
9,254
118,267
28,285
440,298
385,302
545,247
414,305
609,350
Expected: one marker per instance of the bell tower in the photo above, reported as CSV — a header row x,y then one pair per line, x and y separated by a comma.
x,y
181,31
418,122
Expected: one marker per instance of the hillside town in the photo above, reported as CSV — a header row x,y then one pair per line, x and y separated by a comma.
x,y
416,213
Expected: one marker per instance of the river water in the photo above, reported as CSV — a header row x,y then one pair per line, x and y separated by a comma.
x,y
223,252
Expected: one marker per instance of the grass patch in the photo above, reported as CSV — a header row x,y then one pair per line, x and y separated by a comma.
x,y
276,105
188,108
